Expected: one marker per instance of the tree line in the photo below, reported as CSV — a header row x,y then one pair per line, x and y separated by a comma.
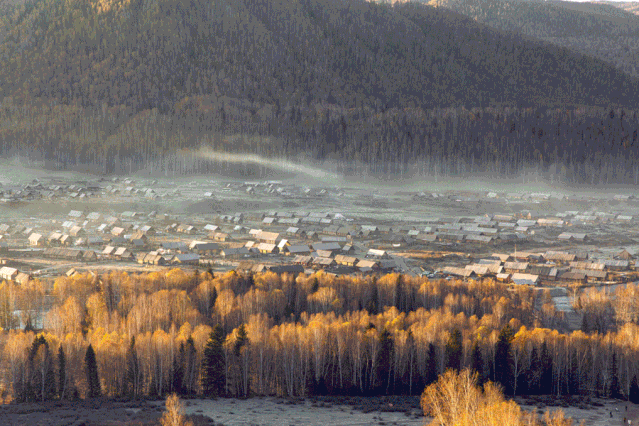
x,y
158,333
586,145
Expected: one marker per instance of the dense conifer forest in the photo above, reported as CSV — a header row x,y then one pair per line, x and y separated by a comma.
x,y
114,87
605,31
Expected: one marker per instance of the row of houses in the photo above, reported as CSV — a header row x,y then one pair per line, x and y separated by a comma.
x,y
70,254
12,274
157,258
560,267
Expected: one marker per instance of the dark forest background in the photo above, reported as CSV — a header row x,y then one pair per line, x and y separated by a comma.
x,y
114,87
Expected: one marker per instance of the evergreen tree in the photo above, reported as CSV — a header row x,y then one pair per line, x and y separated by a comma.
x,y
241,340
400,298
177,370
385,360
615,391
190,367
575,380
213,364
431,367
503,358
634,391
91,366
454,350
62,372
239,348
28,325
40,385
250,282
410,380
477,362
288,311
545,378
29,386
85,323
133,378
212,297
373,303
533,375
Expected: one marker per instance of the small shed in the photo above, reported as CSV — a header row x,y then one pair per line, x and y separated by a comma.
x,y
624,255
187,258
7,273
36,240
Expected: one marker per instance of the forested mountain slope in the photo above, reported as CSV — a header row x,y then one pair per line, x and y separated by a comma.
x,y
100,84
629,6
598,29
152,54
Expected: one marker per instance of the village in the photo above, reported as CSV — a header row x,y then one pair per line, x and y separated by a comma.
x,y
545,247
52,227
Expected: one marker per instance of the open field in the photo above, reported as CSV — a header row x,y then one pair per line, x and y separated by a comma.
x,y
329,411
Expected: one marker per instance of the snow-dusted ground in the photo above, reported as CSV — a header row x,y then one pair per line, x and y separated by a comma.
x,y
277,412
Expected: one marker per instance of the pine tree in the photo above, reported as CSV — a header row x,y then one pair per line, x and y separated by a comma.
x,y
373,303
533,375
615,391
40,384
213,364
177,370
384,360
634,391
399,294
85,323
241,340
62,373
477,362
503,358
545,379
575,379
47,373
190,367
239,348
250,282
29,386
28,325
91,366
431,367
454,350
133,379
